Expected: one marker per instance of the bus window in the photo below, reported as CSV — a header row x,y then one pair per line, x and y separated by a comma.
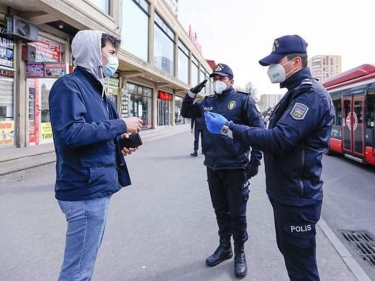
x,y
358,105
337,106
370,109
346,109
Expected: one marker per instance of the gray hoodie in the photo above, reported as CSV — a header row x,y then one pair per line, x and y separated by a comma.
x,y
87,52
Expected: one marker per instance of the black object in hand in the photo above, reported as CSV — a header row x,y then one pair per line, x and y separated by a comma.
x,y
252,169
133,141
199,87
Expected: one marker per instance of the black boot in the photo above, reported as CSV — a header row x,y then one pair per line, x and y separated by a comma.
x,y
195,153
222,253
240,267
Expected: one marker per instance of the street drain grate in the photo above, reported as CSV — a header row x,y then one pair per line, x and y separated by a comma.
x,y
364,243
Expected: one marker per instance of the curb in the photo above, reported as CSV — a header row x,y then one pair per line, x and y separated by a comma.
x,y
355,268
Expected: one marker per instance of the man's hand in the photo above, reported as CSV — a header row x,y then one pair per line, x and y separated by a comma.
x,y
134,124
214,122
127,151
194,91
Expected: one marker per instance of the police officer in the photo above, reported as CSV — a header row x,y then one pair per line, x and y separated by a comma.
x,y
293,147
226,162
197,127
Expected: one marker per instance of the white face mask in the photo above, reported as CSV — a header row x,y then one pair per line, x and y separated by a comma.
x,y
276,72
219,87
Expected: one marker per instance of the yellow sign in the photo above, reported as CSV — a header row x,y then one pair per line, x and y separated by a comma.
x,y
6,132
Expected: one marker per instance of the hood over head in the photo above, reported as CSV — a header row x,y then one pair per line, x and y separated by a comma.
x,y
87,52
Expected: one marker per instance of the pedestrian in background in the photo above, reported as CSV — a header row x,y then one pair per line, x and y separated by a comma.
x,y
297,136
226,161
197,127
90,166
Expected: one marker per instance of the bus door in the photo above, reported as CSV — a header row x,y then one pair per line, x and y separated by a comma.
x,y
353,126
370,126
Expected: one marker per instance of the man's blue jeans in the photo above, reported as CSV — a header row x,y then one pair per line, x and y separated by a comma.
x,y
86,223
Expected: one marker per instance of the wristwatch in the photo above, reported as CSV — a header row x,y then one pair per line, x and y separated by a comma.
x,y
226,131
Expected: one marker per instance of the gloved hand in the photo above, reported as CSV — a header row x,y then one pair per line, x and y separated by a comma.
x,y
194,91
252,168
214,122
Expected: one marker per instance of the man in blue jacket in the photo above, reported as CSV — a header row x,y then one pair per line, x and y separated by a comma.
x,y
90,166
227,163
293,146
197,127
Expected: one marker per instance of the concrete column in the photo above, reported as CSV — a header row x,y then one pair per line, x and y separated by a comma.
x,y
22,100
151,33
154,107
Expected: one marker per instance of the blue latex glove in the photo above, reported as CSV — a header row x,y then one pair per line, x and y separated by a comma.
x,y
214,122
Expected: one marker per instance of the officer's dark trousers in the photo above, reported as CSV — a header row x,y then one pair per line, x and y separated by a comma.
x,y
197,132
229,191
295,235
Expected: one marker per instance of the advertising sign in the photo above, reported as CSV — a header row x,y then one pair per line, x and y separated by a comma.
x,y
6,49
35,70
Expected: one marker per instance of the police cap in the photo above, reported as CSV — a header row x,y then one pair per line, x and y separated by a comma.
x,y
222,70
285,45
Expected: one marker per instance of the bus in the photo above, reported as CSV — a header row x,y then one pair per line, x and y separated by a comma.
x,y
353,96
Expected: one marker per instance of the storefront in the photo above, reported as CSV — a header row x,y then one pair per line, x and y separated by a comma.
x,y
136,101
112,89
7,93
177,105
41,75
164,108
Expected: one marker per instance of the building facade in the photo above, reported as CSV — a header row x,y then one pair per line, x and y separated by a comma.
x,y
323,67
158,61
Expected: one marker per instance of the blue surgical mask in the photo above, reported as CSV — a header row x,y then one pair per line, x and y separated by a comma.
x,y
111,67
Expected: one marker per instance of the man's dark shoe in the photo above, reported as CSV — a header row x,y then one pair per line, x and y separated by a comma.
x,y
222,253
240,267
195,153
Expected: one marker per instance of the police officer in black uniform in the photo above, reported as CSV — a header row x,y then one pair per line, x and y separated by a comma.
x,y
226,161
293,146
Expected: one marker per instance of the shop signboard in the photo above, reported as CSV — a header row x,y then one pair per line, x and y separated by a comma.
x,y
6,49
35,70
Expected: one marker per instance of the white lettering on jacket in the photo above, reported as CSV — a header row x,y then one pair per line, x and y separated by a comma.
x,y
300,228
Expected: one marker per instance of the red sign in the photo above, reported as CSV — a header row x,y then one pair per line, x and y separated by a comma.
x,y
165,96
47,50
194,38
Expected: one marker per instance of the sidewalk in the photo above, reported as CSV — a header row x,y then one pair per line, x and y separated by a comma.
x,y
16,163
161,228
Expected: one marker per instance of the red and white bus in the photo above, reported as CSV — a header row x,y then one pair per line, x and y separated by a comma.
x,y
353,96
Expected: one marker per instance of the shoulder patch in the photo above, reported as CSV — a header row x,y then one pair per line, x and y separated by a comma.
x,y
299,111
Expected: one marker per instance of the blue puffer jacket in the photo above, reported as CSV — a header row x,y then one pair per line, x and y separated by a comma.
x,y
84,134
295,141
220,151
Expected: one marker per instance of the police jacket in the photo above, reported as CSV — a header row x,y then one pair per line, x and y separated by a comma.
x,y
294,143
220,151
85,132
